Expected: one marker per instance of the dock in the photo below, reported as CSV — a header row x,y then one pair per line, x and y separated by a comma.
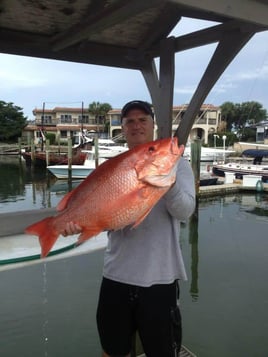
x,y
227,188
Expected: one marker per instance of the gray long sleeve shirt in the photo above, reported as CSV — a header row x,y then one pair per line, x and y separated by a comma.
x,y
150,253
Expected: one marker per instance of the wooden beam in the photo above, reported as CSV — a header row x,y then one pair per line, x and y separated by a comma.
x,y
161,90
245,10
111,16
225,52
166,76
208,36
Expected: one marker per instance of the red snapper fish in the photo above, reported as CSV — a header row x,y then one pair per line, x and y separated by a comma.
x,y
119,192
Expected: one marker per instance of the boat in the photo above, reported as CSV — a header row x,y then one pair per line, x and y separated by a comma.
x,y
77,171
81,139
40,158
208,179
208,154
107,148
239,169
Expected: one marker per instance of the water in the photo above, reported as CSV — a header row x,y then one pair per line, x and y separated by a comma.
x,y
48,309
24,188
225,302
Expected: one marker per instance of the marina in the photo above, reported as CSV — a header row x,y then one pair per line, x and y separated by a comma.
x,y
243,168
77,171
48,306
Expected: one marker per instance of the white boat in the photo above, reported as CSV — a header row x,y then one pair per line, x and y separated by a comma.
x,y
81,139
208,154
107,148
77,171
239,169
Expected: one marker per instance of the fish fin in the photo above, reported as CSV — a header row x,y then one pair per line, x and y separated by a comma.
x,y
88,233
46,233
64,201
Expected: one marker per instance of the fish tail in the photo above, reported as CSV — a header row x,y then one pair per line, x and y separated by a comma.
x,y
46,233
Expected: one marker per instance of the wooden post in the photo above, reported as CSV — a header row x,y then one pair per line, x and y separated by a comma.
x,y
96,148
32,152
19,148
195,162
28,140
193,240
19,145
69,160
47,151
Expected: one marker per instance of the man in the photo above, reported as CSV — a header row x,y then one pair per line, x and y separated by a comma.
x,y
142,266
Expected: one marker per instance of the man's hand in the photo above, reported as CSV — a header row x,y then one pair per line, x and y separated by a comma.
x,y
70,229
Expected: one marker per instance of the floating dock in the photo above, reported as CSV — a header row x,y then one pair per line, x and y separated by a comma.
x,y
228,188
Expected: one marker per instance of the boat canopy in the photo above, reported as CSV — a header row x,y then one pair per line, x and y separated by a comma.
x,y
255,153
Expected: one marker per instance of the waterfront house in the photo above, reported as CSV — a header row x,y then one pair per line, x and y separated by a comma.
x,y
207,121
67,122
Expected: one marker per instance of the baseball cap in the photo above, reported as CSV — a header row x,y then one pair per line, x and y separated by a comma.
x,y
146,107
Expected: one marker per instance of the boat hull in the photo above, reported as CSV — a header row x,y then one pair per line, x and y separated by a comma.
x,y
209,154
40,159
240,170
76,173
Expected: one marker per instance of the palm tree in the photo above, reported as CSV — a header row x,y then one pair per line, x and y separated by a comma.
x,y
99,110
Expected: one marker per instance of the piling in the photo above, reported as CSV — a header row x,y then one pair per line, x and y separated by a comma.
x,y
96,148
47,151
32,152
69,159
19,145
195,161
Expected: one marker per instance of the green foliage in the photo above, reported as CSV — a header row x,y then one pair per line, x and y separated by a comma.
x,y
12,121
238,116
231,138
51,137
99,110
248,135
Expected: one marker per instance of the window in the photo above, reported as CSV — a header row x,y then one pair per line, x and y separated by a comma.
x,y
46,119
66,118
85,118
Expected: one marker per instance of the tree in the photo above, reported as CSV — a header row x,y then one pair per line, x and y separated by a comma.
x,y
231,138
238,116
12,121
99,110
248,135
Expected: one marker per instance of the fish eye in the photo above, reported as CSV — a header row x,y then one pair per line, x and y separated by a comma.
x,y
151,149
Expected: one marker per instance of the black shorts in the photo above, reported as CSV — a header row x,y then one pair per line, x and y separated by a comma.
x,y
152,311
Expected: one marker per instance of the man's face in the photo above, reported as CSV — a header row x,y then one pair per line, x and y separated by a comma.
x,y
137,127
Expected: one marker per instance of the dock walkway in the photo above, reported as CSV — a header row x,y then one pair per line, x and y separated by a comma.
x,y
223,189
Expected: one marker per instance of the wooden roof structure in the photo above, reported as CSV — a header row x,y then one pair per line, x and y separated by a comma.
x,y
132,34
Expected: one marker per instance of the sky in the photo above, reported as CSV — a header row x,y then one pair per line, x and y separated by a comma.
x,y
29,82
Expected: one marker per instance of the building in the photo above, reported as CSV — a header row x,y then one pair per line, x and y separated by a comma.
x,y
64,123
262,132
207,121
67,122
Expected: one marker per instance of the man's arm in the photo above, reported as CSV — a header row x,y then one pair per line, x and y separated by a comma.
x,y
180,199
